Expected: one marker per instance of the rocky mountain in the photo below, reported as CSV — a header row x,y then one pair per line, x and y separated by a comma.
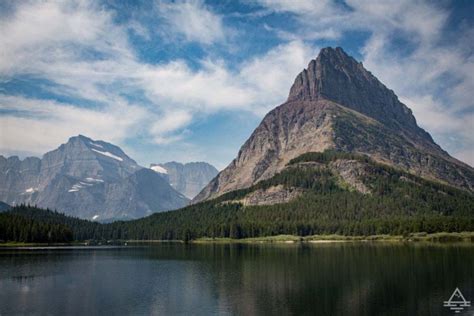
x,y
88,179
336,104
189,178
315,194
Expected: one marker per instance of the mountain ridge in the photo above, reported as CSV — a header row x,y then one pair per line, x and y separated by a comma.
x,y
318,193
89,179
187,178
364,116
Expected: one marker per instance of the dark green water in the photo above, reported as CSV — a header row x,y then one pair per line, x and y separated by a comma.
x,y
175,279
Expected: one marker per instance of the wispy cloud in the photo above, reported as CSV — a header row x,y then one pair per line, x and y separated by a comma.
x,y
191,20
33,125
83,54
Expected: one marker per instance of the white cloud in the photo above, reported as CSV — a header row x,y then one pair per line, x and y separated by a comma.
x,y
47,30
209,88
328,19
43,125
453,131
302,7
192,20
258,85
79,49
272,74
164,130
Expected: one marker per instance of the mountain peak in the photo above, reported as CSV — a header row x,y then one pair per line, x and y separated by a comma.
x,y
79,137
335,54
99,148
336,104
338,77
310,84
87,178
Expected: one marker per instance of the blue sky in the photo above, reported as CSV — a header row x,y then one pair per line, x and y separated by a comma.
x,y
190,80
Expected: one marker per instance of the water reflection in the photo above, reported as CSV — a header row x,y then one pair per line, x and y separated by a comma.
x,y
326,279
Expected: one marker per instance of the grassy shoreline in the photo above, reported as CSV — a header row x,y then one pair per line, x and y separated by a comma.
x,y
38,244
416,237
442,237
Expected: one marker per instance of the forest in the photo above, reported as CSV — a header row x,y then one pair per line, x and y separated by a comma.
x,y
399,203
16,226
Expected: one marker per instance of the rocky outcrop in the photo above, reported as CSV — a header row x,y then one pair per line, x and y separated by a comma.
x,y
88,179
273,195
351,172
337,104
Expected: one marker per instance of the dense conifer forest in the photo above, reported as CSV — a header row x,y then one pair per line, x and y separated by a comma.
x,y
20,227
399,203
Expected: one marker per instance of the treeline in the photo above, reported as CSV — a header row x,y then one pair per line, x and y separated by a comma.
x,y
328,156
399,204
15,227
81,229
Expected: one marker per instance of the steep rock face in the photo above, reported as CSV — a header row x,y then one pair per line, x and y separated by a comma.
x,y
81,157
188,179
89,179
285,133
18,177
335,76
336,104
273,195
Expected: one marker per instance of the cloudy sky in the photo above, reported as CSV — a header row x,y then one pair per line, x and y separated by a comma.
x,y
190,80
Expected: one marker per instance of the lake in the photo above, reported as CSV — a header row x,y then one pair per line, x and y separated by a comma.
x,y
232,279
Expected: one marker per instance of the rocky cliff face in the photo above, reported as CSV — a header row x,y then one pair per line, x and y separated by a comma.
x,y
337,104
188,179
89,179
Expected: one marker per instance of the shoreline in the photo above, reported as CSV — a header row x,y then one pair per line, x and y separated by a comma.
x,y
443,237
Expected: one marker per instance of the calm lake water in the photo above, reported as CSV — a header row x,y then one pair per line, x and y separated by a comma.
x,y
176,279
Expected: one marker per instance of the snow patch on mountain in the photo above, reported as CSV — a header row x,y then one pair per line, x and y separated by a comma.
x,y
93,180
96,145
108,154
75,188
159,169
31,190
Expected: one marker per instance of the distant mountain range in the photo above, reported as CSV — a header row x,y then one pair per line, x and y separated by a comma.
x,y
97,180
189,178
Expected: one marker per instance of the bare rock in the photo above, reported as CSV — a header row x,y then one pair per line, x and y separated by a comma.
x,y
273,195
